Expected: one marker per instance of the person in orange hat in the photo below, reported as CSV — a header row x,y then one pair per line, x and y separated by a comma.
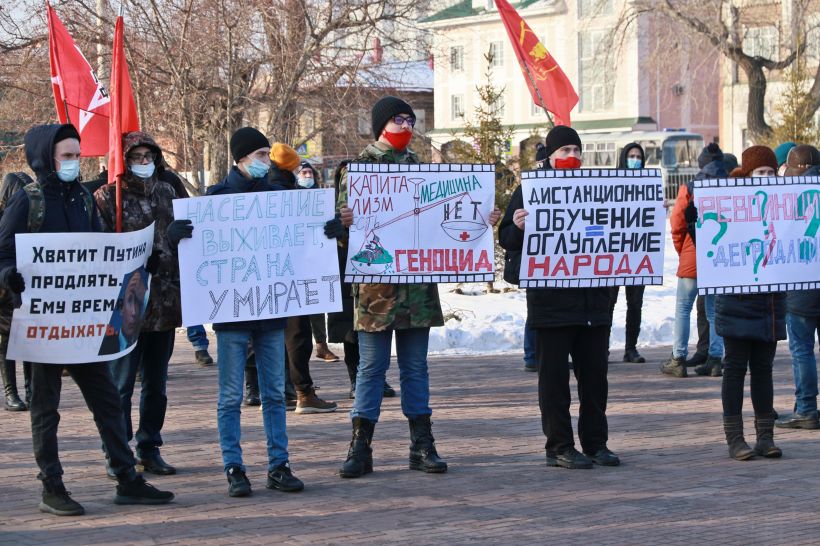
x,y
751,325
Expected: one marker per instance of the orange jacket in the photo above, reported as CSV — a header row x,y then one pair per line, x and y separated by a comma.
x,y
684,245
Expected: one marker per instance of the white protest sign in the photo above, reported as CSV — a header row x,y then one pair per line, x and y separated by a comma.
x,y
85,296
592,227
256,256
757,234
425,223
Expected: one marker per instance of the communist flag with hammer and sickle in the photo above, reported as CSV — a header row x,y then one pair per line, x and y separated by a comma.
x,y
549,86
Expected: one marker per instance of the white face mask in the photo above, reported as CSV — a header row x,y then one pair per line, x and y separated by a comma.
x,y
69,170
143,171
305,181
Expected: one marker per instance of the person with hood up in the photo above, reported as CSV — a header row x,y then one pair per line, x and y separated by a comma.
x,y
567,322
803,321
632,157
751,325
382,311
146,199
682,221
53,153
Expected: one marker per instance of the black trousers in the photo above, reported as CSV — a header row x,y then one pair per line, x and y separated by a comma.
x,y
634,303
758,356
351,360
299,347
101,397
588,347
703,327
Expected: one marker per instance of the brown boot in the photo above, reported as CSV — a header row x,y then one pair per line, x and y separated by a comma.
x,y
308,402
323,352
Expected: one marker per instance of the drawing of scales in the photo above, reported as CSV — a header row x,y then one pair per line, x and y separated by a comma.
x,y
374,259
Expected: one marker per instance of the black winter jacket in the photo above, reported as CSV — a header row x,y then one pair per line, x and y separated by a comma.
x,y
756,317
235,182
554,307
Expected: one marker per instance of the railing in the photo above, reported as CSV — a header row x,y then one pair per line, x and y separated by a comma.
x,y
672,181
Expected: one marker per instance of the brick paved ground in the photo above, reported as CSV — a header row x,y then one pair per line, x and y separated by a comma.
x,y
676,485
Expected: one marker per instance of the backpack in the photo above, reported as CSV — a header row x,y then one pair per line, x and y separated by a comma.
x,y
37,208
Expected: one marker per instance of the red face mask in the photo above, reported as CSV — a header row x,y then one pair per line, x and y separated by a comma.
x,y
567,163
399,140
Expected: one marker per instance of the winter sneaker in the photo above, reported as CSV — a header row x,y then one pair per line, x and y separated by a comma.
x,y
282,478
808,421
697,358
713,367
138,491
58,501
570,458
308,402
238,483
203,358
388,391
252,395
323,352
604,457
632,355
676,367
290,405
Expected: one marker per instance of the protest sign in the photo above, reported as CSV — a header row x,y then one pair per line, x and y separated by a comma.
x,y
85,296
592,227
257,256
423,223
757,234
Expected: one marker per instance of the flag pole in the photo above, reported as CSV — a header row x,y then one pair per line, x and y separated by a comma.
x,y
550,122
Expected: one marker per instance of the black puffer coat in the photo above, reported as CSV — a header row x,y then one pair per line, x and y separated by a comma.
x,y
756,317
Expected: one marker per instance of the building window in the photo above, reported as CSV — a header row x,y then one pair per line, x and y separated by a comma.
x,y
421,117
593,8
497,53
761,42
364,127
456,107
536,111
595,76
457,58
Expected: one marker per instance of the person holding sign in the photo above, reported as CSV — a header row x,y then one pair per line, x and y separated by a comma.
x,y
57,203
382,310
146,199
567,321
751,325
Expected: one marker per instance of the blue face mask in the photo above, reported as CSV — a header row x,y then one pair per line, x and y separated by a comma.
x,y
69,170
304,181
633,163
257,169
143,171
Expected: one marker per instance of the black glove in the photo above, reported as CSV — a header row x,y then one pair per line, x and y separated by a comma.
x,y
690,213
10,278
334,228
152,264
179,230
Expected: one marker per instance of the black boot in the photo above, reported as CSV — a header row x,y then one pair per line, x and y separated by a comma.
x,y
738,448
764,426
632,355
388,391
713,366
423,455
27,381
252,387
360,456
58,501
13,402
676,367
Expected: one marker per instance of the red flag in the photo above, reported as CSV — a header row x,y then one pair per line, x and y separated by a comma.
x,y
123,114
79,96
549,86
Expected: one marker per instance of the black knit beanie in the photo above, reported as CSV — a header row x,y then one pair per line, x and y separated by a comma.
x,y
385,109
710,153
561,136
66,131
246,141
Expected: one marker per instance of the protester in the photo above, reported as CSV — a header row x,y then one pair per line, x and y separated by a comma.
x,y
632,157
63,205
11,183
682,221
782,153
147,200
803,323
751,325
567,322
382,310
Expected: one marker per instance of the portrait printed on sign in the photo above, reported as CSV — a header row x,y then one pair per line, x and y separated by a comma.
x,y
126,321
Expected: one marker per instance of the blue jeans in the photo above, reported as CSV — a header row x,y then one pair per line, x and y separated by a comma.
x,y
685,299
150,357
198,338
374,359
715,341
529,346
232,351
804,364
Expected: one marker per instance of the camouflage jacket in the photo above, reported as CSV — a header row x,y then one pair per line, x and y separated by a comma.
x,y
143,202
379,307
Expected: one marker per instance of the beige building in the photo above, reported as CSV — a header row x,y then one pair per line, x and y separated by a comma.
x,y
630,88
